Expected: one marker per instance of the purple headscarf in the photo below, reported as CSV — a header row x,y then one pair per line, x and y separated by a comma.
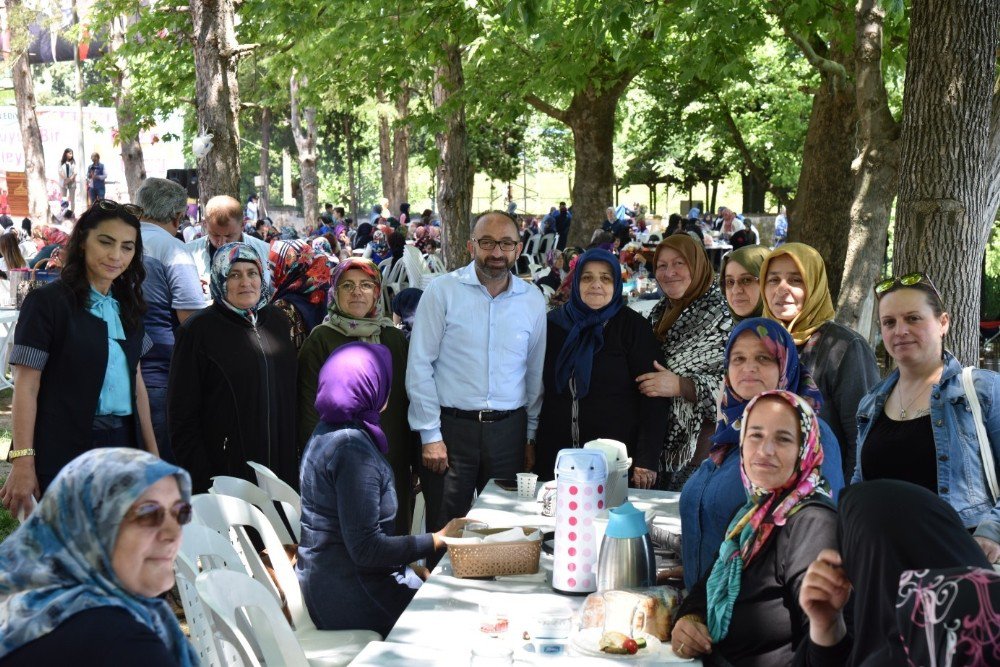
x,y
353,386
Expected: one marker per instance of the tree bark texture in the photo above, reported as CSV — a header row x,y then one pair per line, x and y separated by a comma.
x,y
349,149
31,134
454,171
820,213
385,148
128,130
304,133
942,222
218,96
264,203
401,152
875,170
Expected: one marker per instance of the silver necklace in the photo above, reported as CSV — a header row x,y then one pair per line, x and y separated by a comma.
x,y
903,409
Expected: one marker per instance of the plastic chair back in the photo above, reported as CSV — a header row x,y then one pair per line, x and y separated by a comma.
x,y
225,594
240,488
281,493
222,513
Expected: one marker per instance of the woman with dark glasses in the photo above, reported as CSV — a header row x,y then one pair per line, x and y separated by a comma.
x,y
917,425
79,579
76,353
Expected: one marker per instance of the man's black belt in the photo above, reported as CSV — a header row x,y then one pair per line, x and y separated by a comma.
x,y
483,416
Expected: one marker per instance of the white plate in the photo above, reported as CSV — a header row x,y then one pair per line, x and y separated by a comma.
x,y
586,643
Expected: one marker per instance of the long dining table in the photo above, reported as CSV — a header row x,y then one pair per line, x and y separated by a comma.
x,y
441,626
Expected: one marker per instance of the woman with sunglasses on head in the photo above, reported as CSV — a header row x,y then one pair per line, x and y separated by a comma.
x,y
355,314
917,424
231,391
76,355
796,293
80,580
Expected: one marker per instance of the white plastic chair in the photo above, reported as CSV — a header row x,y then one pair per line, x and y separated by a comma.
x,y
225,594
419,524
435,264
205,547
416,271
325,647
281,493
224,485
548,242
531,247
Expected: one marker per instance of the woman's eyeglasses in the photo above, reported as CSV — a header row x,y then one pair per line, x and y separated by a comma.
x,y
111,205
909,280
152,514
365,286
742,281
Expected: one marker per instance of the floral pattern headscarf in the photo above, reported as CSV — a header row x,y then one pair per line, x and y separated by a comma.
x,y
765,509
58,562
321,246
222,262
378,244
369,327
295,270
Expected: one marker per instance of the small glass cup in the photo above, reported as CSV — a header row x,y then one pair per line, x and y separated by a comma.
x,y
491,654
493,620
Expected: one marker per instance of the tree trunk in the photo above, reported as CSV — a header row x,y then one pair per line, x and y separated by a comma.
x,y
305,143
715,195
454,172
264,204
31,134
401,152
875,169
941,221
385,149
218,96
128,130
821,212
349,149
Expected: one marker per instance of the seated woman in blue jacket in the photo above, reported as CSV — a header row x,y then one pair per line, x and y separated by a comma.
x,y
760,356
918,424
352,568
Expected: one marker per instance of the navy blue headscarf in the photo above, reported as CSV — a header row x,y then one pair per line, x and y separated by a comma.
x,y
585,325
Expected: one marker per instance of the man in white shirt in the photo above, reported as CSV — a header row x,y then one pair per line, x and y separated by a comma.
x,y
474,372
224,224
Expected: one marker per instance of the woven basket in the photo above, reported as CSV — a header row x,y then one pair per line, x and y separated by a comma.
x,y
496,559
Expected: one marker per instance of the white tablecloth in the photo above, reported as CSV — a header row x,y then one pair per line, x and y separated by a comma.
x,y
444,614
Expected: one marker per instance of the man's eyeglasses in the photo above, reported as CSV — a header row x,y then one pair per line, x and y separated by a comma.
x,y
489,244
111,205
909,280
152,514
365,286
742,281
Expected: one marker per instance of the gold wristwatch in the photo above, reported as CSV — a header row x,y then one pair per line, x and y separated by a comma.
x,y
18,453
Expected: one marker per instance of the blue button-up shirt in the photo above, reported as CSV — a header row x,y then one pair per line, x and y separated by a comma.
x,y
471,351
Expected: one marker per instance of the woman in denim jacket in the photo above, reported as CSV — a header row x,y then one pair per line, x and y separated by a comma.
x,y
916,425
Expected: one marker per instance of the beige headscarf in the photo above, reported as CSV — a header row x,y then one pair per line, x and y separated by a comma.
x,y
817,309
701,277
368,328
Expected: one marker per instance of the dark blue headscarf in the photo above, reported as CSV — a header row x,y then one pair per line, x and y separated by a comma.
x,y
585,325
794,377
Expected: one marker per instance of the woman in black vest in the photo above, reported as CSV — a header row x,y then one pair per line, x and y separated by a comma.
x,y
76,353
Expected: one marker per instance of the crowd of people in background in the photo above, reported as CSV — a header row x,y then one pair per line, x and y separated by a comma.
x,y
212,343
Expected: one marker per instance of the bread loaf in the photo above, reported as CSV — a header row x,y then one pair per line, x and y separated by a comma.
x,y
655,608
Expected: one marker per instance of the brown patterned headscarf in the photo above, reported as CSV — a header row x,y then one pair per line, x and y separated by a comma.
x,y
701,277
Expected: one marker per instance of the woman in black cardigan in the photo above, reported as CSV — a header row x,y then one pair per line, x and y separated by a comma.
x,y
76,353
231,394
595,348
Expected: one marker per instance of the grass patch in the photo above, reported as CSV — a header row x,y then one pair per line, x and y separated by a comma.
x,y
8,524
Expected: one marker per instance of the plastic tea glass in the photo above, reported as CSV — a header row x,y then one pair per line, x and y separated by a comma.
x,y
526,484
491,654
493,620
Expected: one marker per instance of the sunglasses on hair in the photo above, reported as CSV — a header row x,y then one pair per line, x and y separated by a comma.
x,y
152,514
909,280
111,205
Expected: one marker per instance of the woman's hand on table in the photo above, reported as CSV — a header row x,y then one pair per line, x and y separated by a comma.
x,y
690,637
452,526
990,548
643,478
660,383
824,592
